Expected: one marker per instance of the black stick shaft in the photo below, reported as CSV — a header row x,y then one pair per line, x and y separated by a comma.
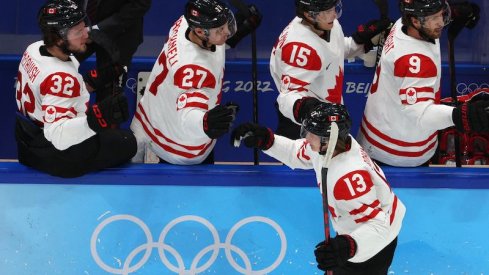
x,y
324,186
453,93
254,78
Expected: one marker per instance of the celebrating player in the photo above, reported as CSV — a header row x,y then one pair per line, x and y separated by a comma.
x,y
180,116
365,212
307,61
403,114
56,132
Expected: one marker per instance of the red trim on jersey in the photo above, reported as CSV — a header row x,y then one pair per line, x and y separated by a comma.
x,y
429,94
301,153
293,84
393,151
415,65
157,133
393,210
196,105
198,95
364,208
418,100
61,110
331,210
396,141
370,216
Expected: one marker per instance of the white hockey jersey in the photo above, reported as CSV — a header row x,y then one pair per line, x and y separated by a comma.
x,y
360,200
402,114
185,82
52,93
302,64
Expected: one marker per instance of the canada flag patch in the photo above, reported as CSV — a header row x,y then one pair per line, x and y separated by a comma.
x,y
50,114
411,96
181,101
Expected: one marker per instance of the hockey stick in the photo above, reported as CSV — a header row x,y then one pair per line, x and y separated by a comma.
x,y
466,16
384,14
452,34
324,176
243,8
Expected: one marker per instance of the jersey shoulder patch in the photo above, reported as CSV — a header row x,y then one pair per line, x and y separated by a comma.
x,y
301,55
193,76
353,185
415,65
61,84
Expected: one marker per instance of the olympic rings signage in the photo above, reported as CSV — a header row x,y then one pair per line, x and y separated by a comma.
x,y
194,268
467,88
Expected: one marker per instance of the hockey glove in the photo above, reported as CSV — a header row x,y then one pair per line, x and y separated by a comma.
x,y
472,116
366,32
465,14
245,25
219,120
336,253
253,135
112,110
303,106
97,79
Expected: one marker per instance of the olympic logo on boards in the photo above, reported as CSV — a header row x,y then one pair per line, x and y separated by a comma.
x,y
147,247
467,88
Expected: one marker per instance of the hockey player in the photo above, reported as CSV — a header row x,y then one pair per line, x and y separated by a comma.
x,y
403,114
57,132
307,61
180,115
365,212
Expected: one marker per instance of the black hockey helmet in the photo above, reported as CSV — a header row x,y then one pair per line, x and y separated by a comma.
x,y
315,5
319,121
60,15
423,8
208,14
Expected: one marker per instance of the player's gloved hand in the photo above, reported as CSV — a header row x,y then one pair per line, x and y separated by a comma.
x,y
336,253
246,23
219,120
303,106
366,32
97,79
465,13
112,110
472,116
253,135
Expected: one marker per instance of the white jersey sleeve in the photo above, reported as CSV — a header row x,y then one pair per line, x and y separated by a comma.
x,y
293,153
52,93
302,64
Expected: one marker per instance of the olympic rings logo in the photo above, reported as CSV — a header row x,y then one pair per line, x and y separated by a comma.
x,y
127,268
464,88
